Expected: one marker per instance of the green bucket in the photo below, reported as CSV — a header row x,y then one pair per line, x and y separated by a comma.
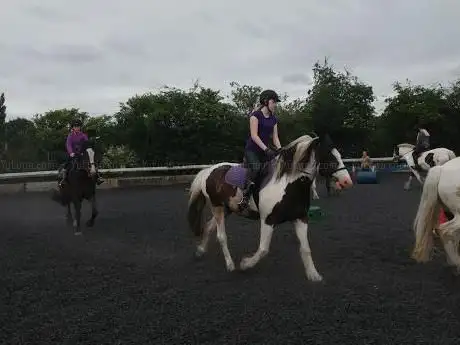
x,y
315,213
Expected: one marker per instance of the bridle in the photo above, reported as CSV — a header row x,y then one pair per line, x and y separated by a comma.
x,y
311,175
328,173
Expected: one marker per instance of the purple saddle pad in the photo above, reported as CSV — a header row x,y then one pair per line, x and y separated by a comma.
x,y
236,176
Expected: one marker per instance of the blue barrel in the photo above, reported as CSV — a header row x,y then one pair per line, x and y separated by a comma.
x,y
367,177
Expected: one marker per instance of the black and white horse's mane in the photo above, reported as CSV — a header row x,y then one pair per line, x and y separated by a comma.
x,y
295,156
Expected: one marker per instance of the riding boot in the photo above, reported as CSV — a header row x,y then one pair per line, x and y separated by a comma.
x,y
415,156
99,179
247,191
63,177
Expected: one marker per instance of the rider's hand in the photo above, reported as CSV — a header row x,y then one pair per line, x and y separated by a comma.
x,y
270,153
72,154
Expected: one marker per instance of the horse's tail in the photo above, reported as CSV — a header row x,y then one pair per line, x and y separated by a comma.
x,y
427,216
196,204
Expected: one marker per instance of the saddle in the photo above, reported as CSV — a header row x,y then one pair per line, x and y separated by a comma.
x,y
236,177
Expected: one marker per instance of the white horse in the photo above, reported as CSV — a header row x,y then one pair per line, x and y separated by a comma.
x,y
282,194
426,160
441,189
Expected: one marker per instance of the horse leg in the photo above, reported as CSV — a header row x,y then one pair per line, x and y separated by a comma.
x,y
69,218
77,220
266,232
219,215
210,226
418,177
301,230
407,184
313,189
94,212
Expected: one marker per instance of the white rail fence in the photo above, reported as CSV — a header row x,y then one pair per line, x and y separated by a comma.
x,y
24,176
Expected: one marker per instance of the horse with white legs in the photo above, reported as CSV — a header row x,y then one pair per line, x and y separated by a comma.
x,y
281,194
426,160
441,189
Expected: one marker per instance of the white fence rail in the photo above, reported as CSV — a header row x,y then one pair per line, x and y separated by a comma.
x,y
126,171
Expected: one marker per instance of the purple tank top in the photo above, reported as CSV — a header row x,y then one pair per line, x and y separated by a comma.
x,y
264,130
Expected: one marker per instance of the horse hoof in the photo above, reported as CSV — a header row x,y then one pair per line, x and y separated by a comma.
x,y
77,233
90,223
230,267
315,278
198,255
245,263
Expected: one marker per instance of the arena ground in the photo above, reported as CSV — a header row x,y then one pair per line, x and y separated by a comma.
x,y
132,279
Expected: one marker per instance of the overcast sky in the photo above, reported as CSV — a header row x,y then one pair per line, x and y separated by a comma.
x,y
94,54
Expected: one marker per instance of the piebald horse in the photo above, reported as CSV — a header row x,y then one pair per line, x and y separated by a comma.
x,y
282,194
441,189
426,160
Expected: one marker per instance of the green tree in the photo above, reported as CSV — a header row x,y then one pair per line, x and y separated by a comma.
x,y
176,126
244,97
119,157
341,105
414,105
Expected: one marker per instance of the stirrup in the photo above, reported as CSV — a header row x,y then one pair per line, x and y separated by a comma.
x,y
244,200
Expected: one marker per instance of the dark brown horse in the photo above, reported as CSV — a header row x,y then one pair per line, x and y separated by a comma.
x,y
282,194
80,185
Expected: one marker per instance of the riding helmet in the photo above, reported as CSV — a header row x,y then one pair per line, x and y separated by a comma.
x,y
267,95
76,123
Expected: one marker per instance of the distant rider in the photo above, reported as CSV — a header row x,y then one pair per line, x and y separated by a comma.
x,y
422,143
423,140
74,141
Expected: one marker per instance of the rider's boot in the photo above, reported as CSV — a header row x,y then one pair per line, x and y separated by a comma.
x,y
415,156
63,178
247,191
99,179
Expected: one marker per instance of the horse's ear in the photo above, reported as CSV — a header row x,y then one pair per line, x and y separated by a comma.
x,y
315,142
89,143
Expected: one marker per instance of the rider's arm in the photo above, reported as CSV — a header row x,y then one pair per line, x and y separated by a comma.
x,y
254,124
68,144
276,139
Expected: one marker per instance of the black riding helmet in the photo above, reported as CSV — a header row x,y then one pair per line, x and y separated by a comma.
x,y
76,123
267,95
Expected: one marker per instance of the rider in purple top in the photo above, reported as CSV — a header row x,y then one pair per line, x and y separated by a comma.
x,y
263,129
73,146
